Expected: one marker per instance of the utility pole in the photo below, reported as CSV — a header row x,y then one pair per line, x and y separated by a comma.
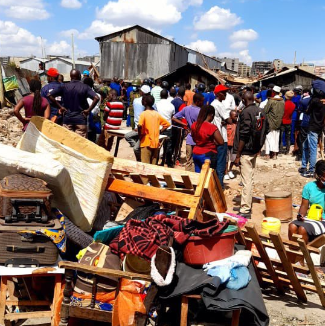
x,y
72,46
2,90
294,60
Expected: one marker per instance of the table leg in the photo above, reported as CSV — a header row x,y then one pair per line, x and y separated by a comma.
x,y
3,297
118,139
56,295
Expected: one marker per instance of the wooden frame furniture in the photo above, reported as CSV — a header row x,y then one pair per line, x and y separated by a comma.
x,y
6,319
184,189
287,270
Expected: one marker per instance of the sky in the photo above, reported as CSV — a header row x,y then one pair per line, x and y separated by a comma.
x,y
251,30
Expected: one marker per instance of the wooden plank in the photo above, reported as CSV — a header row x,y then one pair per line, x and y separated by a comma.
x,y
90,314
169,181
261,250
318,242
126,208
28,303
127,166
119,176
56,295
187,182
136,178
3,296
213,194
279,246
235,317
27,315
151,193
313,273
154,181
103,271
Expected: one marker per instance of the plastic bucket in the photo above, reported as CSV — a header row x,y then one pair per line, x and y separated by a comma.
x,y
199,251
279,204
271,224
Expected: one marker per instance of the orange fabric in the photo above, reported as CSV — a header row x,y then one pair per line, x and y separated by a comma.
x,y
129,300
150,121
231,131
188,97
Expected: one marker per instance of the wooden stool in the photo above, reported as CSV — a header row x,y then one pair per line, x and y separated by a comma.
x,y
6,319
184,310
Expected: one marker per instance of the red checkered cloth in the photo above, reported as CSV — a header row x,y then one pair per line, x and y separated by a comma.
x,y
142,238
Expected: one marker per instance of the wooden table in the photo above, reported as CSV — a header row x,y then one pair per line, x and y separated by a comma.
x,y
7,274
120,134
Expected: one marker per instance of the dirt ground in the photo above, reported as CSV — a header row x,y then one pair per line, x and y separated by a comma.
x,y
280,174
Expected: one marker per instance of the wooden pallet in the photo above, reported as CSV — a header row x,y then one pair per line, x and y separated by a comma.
x,y
287,270
173,179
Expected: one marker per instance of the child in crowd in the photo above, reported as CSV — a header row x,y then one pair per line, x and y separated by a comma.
x,y
148,130
231,130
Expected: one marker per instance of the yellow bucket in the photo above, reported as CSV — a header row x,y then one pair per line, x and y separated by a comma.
x,y
315,212
271,224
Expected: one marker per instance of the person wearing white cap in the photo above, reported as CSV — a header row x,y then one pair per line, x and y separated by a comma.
x,y
274,111
132,137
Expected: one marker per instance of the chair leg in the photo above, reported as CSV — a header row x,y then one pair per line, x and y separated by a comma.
x,y
66,298
235,317
184,311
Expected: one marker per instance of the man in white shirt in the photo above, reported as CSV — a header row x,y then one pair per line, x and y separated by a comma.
x,y
166,109
221,118
155,92
229,102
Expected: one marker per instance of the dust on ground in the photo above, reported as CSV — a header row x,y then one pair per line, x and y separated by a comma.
x,y
280,174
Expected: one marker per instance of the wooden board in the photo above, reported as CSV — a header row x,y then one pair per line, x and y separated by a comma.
x,y
126,208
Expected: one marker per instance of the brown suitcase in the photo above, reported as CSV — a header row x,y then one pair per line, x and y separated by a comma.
x,y
39,247
24,198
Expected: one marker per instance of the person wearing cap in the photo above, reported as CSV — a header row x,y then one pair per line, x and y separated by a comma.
x,y
221,118
132,137
167,110
52,84
274,111
85,74
285,129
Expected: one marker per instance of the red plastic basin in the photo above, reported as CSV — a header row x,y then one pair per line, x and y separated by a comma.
x,y
199,251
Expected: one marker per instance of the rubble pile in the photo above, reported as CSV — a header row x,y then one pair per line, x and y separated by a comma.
x,y
10,127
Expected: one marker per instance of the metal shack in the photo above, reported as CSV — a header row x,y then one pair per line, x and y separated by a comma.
x,y
138,52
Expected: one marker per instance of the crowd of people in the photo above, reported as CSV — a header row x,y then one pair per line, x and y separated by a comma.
x,y
229,126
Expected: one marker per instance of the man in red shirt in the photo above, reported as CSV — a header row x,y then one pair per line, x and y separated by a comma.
x,y
289,107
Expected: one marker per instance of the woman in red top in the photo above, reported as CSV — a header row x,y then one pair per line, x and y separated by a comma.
x,y
33,104
207,137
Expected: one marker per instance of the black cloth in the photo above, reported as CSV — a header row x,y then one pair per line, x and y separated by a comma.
x,y
316,111
217,297
74,94
244,129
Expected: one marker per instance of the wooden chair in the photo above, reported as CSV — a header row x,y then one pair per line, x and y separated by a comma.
x,y
163,259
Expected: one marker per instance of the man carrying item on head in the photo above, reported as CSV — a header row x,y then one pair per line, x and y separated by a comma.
x,y
76,108
53,83
221,119
274,111
246,151
132,137
190,114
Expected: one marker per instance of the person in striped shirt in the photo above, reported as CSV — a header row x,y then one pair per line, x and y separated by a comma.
x,y
113,116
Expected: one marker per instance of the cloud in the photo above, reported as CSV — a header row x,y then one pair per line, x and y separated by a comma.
x,y
71,4
17,41
239,45
216,18
203,46
242,55
67,33
145,12
244,35
27,10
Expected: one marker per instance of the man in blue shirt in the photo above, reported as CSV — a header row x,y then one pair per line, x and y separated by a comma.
x,y
52,79
115,85
209,97
75,95
262,95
